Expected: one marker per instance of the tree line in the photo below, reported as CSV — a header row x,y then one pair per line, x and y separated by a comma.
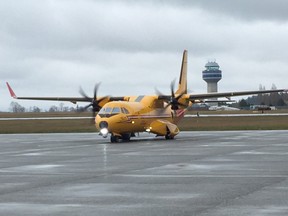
x,y
273,99
17,108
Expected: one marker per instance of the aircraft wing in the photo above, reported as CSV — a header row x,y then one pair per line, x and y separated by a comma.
x,y
193,97
67,99
200,98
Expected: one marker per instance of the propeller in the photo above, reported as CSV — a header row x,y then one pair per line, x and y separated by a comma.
x,y
94,102
173,101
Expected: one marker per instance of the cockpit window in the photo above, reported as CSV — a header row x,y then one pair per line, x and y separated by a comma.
x,y
102,111
124,110
116,110
108,111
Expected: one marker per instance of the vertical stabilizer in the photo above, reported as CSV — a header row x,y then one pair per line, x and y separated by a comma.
x,y
182,87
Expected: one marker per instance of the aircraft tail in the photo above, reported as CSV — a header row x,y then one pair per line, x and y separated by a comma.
x,y
182,87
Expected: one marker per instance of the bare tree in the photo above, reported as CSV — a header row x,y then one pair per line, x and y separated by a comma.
x,y
16,108
53,109
34,109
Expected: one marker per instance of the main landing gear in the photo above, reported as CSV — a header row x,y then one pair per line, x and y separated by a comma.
x,y
123,137
126,137
169,137
114,139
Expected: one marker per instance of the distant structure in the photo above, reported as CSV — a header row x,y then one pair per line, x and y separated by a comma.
x,y
212,75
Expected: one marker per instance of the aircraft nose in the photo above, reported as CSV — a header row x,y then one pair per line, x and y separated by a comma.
x,y
103,124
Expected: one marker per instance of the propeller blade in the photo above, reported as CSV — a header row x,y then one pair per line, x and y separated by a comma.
x,y
89,105
81,91
172,101
158,92
94,103
172,88
93,117
96,90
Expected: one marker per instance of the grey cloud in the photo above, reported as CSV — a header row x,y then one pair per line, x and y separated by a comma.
x,y
241,9
247,9
58,45
104,27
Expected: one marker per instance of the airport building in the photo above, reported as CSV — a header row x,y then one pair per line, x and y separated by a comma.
x,y
212,75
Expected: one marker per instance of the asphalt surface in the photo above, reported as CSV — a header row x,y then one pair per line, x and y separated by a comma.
x,y
198,173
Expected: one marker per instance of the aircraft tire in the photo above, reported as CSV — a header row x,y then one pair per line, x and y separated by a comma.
x,y
126,137
114,139
169,137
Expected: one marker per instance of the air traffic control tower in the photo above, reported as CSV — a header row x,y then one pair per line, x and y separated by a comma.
x,y
212,75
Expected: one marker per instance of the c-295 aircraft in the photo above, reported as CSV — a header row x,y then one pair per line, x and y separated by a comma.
x,y
123,116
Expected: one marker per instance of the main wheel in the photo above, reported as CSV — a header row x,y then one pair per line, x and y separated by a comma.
x,y
169,137
114,139
126,137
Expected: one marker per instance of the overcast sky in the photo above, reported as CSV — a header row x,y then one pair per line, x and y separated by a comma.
x,y
51,47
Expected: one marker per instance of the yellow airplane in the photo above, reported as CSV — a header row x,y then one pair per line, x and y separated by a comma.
x,y
159,114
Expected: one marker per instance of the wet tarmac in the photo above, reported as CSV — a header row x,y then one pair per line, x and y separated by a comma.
x,y
198,173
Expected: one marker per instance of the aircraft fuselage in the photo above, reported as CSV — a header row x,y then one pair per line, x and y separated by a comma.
x,y
127,117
